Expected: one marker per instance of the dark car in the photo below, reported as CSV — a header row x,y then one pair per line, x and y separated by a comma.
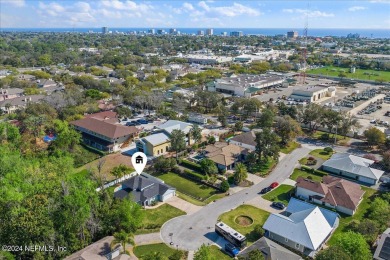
x,y
130,124
231,249
142,121
278,205
265,190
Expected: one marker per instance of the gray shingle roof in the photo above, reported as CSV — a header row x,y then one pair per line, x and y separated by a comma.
x,y
353,164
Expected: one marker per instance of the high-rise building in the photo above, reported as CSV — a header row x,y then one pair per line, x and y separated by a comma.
x,y
104,30
292,34
151,31
236,33
200,33
209,31
160,31
224,33
172,31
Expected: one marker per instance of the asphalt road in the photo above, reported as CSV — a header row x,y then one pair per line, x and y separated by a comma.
x,y
191,231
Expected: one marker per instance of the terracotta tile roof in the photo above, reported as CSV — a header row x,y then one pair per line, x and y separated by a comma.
x,y
336,191
105,127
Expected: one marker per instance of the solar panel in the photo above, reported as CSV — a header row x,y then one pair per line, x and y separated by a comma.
x,y
385,252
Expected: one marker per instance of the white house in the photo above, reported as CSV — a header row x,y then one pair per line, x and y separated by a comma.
x,y
245,140
353,167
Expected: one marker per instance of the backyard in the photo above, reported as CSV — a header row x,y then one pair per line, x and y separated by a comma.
x,y
155,218
359,73
161,249
359,215
255,215
188,187
280,194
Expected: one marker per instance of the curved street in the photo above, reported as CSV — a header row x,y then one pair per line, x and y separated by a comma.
x,y
189,232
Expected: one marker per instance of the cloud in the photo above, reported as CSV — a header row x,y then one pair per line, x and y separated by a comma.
x,y
79,12
16,3
188,6
380,1
230,11
356,8
309,13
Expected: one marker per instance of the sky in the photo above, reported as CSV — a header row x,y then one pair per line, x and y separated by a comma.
x,y
370,14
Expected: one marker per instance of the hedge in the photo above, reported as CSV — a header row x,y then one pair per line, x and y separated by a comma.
x,y
192,175
191,165
313,171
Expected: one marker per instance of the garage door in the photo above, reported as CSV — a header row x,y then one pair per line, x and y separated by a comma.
x,y
168,195
367,180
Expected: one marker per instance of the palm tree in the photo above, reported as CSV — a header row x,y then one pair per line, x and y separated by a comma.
x,y
123,238
240,173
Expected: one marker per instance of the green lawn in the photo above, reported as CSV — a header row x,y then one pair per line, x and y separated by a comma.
x,y
329,137
259,216
263,168
217,253
359,215
215,197
280,194
190,199
188,187
163,249
297,173
320,153
291,146
155,218
359,73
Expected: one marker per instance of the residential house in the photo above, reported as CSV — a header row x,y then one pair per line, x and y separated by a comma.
x,y
104,132
45,83
100,250
159,143
224,155
382,251
333,192
245,140
145,189
9,106
302,226
353,167
10,93
26,77
270,250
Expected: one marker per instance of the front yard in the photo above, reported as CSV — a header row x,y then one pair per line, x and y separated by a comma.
x,y
161,249
328,137
155,218
194,189
217,253
280,194
291,146
258,216
263,168
320,153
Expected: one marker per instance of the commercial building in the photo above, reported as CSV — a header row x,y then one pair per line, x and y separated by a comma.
x,y
104,30
353,167
313,94
200,32
303,227
292,34
244,85
160,31
172,31
151,31
339,194
209,31
236,33
206,59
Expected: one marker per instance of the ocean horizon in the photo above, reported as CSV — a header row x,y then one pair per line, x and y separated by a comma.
x,y
314,32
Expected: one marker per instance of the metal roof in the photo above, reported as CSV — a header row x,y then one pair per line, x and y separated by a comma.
x,y
156,139
353,164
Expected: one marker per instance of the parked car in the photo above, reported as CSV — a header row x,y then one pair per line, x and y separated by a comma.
x,y
231,249
265,190
130,124
142,121
274,185
278,205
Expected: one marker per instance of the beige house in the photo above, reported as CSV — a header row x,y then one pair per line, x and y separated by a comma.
x,y
224,155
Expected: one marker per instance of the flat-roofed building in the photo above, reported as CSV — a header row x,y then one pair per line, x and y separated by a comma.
x,y
312,94
207,59
244,85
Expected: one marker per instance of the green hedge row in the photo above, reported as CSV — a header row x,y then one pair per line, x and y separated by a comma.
x,y
193,175
191,165
313,171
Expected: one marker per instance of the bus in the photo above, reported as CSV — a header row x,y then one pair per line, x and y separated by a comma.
x,y
230,235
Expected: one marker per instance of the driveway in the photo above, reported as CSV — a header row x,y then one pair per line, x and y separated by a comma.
x,y
185,206
191,231
146,239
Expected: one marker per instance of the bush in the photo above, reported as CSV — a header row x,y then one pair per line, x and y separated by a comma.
x,y
191,165
193,175
177,255
224,186
221,171
328,150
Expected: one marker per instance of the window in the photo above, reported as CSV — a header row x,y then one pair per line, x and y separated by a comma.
x,y
162,150
297,246
286,239
158,151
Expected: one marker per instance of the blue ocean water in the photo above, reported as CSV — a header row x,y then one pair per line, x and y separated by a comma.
x,y
320,32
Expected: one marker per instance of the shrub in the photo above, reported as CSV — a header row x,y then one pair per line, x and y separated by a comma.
x,y
328,150
191,165
224,186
